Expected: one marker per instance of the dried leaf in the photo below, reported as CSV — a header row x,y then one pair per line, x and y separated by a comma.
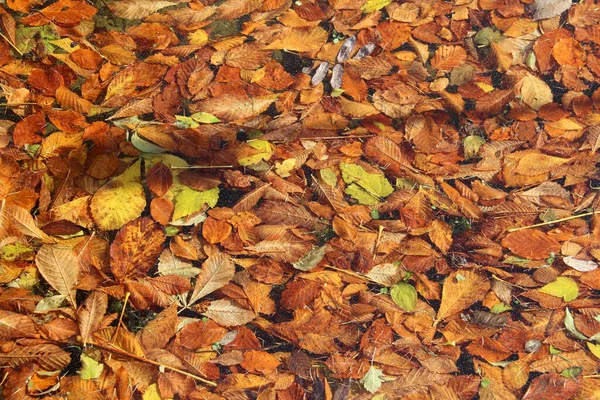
x,y
228,313
216,272
461,289
60,268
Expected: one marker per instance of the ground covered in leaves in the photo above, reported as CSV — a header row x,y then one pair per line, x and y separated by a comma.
x,y
267,199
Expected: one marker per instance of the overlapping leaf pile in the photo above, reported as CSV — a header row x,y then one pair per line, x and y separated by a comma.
x,y
267,199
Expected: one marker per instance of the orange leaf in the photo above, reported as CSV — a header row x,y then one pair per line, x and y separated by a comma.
x,y
531,243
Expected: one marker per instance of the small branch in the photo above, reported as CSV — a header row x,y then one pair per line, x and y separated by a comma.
x,y
554,222
120,317
11,44
203,167
116,350
351,273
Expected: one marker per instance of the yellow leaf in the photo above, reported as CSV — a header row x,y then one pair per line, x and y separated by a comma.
x,y
594,348
562,287
198,37
120,200
485,87
152,393
534,92
374,5
265,152
189,201
284,168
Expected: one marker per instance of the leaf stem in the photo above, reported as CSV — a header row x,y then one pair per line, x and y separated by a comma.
x,y
554,222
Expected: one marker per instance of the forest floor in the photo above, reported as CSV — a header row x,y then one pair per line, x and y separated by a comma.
x,y
277,200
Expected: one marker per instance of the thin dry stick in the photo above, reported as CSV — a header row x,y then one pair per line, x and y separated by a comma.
x,y
554,222
11,44
202,167
351,273
120,317
116,350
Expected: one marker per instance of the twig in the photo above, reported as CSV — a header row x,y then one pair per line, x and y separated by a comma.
x,y
121,352
11,44
554,222
351,273
120,317
203,167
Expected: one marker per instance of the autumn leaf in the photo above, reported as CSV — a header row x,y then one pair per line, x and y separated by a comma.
x,y
119,201
216,272
60,268
461,289
127,258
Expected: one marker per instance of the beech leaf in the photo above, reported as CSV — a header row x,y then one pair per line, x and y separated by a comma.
x,y
563,287
373,379
405,295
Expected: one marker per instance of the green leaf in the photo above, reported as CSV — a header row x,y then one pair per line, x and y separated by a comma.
x,y
374,5
145,146
190,201
500,308
26,37
570,325
471,146
354,191
183,122
405,296
204,118
90,368
374,186
562,287
572,372
372,379
486,36
554,351
337,92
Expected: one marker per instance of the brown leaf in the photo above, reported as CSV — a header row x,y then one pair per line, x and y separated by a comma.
x,y
60,268
90,315
15,326
160,330
48,356
159,179
230,107
552,387
216,272
216,231
461,289
277,212
127,258
531,243
228,313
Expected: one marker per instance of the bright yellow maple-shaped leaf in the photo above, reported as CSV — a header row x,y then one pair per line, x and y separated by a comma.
x,y
120,200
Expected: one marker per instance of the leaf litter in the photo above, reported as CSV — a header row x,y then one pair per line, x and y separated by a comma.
x,y
289,200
